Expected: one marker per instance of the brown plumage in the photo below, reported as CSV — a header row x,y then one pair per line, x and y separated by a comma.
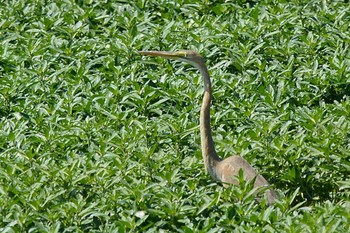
x,y
220,170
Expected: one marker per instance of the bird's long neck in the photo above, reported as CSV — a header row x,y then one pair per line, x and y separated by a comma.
x,y
208,150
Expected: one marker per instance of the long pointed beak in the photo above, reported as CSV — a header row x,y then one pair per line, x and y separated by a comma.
x,y
164,54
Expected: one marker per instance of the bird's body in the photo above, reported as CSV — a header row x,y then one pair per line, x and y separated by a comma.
x,y
220,170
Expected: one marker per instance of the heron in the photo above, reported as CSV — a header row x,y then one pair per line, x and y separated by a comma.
x,y
221,170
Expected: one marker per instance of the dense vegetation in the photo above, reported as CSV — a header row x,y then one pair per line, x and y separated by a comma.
x,y
93,137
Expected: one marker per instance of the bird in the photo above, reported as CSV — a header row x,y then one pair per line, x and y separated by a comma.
x,y
221,170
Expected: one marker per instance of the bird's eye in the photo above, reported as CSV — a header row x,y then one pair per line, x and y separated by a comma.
x,y
183,54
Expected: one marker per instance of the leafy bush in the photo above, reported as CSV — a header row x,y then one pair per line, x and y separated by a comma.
x,y
95,138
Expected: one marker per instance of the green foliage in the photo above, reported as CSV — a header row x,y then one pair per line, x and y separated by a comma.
x,y
94,138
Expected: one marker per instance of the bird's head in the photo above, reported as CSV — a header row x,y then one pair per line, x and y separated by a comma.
x,y
188,56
